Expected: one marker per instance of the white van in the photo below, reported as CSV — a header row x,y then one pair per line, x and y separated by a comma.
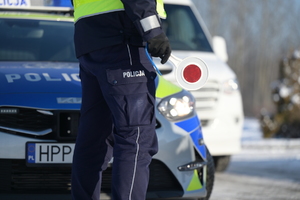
x,y
219,103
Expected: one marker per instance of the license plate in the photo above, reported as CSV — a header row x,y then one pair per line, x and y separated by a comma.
x,y
49,153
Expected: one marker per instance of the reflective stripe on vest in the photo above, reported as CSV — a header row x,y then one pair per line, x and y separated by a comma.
x,y
86,8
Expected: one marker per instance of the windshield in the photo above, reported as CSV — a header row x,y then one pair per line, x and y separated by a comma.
x,y
45,40
184,30
36,40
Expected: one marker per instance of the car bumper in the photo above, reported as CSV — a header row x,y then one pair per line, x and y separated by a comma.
x,y
166,180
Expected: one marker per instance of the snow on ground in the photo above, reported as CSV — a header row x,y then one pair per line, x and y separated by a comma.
x,y
255,147
252,137
251,130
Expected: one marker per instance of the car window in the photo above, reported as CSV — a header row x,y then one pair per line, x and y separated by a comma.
x,y
36,40
183,29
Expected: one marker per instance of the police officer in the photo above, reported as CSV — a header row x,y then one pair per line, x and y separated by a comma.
x,y
118,94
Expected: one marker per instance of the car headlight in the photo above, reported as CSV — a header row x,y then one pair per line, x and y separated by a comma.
x,y
230,86
178,106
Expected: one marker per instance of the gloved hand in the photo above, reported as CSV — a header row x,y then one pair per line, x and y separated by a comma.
x,y
159,46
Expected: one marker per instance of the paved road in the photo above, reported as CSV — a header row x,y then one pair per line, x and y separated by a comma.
x,y
264,170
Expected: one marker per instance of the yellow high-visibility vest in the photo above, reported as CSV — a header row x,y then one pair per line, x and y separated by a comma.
x,y
86,8
160,9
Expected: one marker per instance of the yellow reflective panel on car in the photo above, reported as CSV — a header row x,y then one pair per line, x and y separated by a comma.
x,y
195,182
166,88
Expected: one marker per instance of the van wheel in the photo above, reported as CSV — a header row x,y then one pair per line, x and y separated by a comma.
x,y
221,163
210,175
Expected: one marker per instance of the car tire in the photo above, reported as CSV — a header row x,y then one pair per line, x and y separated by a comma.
x,y
221,163
210,175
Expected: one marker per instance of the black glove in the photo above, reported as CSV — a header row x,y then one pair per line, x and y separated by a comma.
x,y
159,47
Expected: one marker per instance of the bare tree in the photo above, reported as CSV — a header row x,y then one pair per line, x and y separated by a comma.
x,y
259,33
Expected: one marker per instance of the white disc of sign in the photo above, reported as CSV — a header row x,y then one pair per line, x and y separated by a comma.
x,y
191,73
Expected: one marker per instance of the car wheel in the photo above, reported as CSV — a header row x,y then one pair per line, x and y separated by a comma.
x,y
210,176
221,163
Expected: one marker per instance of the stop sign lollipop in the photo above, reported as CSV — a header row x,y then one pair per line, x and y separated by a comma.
x,y
191,73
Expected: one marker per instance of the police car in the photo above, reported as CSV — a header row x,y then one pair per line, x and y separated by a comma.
x,y
40,94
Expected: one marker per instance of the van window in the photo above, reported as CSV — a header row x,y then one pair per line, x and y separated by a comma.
x,y
184,30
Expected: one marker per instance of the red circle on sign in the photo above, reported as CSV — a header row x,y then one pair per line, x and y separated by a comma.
x,y
192,73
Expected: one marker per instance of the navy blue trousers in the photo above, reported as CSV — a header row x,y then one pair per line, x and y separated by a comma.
x,y
117,120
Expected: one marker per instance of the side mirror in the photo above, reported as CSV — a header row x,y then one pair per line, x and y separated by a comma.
x,y
219,46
